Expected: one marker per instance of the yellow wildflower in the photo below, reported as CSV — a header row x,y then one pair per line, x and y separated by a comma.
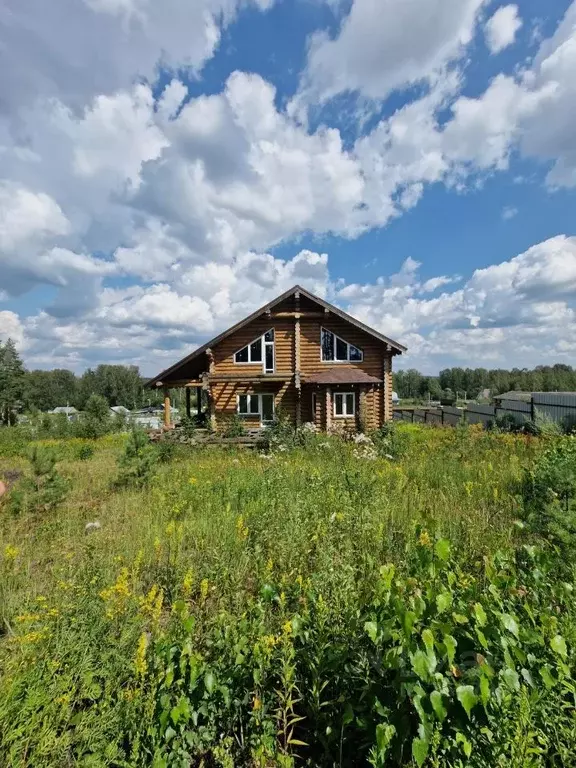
x,y
193,481
152,603
257,703
269,641
287,627
28,617
468,487
64,699
137,563
204,589
241,528
116,596
188,582
269,564
140,663
11,552
170,528
32,637
424,539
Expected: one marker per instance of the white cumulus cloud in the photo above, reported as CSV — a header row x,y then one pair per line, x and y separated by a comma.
x,y
502,27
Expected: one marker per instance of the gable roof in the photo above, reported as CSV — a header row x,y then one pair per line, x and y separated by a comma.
x,y
397,348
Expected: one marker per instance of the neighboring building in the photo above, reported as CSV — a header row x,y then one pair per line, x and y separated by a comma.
x,y
68,410
147,421
525,397
120,410
299,355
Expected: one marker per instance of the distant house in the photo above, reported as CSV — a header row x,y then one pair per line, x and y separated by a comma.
x,y
120,410
299,355
524,397
68,410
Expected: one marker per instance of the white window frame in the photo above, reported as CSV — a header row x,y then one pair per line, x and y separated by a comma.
x,y
348,345
263,345
344,414
258,396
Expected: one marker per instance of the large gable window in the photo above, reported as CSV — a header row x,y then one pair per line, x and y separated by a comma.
x,y
259,352
336,350
261,405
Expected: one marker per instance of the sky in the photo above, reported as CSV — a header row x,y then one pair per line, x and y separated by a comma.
x,y
167,166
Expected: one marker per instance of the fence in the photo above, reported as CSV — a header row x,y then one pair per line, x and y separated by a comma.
x,y
555,406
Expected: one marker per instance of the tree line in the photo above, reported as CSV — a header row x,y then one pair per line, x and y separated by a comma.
x,y
44,390
471,382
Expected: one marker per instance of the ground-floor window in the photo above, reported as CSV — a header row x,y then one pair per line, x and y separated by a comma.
x,y
261,405
344,404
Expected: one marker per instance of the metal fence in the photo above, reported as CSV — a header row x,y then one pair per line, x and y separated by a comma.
x,y
559,407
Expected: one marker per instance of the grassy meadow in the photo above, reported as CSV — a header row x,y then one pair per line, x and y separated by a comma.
x,y
325,604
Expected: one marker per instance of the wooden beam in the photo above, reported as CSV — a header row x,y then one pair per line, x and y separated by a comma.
x,y
250,377
188,403
167,419
298,313
181,383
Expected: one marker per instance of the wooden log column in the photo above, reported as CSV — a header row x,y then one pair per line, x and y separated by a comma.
x,y
297,381
328,409
188,403
211,409
167,409
362,415
387,406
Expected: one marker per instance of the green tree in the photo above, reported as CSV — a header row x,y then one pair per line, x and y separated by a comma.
x,y
11,382
97,417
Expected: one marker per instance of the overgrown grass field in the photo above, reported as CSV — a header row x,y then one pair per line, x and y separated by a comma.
x,y
310,606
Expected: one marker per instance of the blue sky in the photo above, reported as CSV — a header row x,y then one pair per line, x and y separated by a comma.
x,y
167,167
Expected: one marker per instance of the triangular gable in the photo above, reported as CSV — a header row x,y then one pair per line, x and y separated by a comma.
x,y
297,290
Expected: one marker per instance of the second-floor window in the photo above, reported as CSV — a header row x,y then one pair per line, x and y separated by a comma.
x,y
260,351
336,350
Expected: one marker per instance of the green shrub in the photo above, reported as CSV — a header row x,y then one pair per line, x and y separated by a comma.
x,y
85,452
549,493
435,663
280,435
188,427
511,423
234,427
43,490
166,451
136,464
96,420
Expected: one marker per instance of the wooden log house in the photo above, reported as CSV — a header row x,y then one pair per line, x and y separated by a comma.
x,y
299,355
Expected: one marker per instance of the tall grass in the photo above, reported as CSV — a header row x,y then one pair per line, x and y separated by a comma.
x,y
231,611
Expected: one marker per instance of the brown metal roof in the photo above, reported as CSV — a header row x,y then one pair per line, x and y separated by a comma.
x,y
341,376
396,347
